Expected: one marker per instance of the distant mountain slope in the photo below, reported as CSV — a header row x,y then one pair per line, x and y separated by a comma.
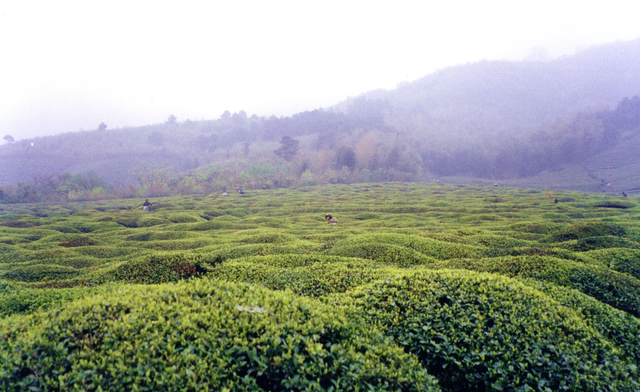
x,y
612,171
498,116
493,97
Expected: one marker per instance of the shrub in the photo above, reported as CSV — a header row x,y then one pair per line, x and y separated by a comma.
x,y
621,260
260,250
585,230
602,242
382,253
620,328
304,275
39,272
160,268
202,336
487,332
427,246
618,290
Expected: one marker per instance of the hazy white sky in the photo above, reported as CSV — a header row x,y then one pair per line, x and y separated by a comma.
x,y
70,65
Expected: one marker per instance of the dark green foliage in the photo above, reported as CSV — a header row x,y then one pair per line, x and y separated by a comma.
x,y
618,290
603,242
202,336
621,260
580,231
427,246
18,301
161,268
39,273
620,328
306,275
288,148
279,239
485,332
382,253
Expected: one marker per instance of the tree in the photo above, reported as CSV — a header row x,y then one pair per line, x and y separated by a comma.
x,y
288,148
156,139
102,126
8,139
345,156
172,119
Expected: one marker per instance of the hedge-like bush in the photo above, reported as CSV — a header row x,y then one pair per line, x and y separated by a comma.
x,y
620,328
427,246
234,252
201,336
603,242
39,272
323,276
480,332
382,253
161,268
621,260
616,289
585,230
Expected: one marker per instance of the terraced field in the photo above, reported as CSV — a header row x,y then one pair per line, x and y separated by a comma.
x,y
418,287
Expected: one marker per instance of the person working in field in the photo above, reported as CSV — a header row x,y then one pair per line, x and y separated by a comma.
x,y
146,205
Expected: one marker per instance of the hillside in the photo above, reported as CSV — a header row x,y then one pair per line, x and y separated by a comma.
x,y
417,288
491,98
542,124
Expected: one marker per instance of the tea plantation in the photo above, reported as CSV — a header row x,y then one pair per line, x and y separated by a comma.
x,y
418,287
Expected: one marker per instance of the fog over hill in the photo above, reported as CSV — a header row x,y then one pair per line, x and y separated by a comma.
x,y
493,97
493,120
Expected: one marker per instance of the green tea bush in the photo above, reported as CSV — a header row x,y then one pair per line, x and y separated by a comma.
x,y
23,301
382,253
109,252
172,245
161,236
235,252
201,336
497,241
366,215
586,230
620,328
161,268
487,332
182,218
618,290
150,221
269,238
210,225
427,246
39,272
603,242
621,260
300,260
324,276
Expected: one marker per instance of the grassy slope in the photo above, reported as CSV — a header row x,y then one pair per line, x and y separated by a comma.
x,y
581,256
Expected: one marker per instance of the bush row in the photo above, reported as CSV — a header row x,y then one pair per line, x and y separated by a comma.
x,y
205,336
480,332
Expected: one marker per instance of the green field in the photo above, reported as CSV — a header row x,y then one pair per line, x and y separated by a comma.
x,y
418,287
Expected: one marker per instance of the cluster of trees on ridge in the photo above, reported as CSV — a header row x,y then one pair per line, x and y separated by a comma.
x,y
317,147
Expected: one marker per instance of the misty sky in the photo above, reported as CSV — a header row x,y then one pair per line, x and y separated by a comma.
x,y
70,65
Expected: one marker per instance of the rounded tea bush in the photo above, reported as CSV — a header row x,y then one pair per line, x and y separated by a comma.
x,y
480,332
307,275
201,336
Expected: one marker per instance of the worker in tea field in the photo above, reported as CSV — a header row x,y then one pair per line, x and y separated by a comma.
x,y
331,220
146,205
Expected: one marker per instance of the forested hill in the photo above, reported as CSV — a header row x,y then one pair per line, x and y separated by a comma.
x,y
493,120
504,97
